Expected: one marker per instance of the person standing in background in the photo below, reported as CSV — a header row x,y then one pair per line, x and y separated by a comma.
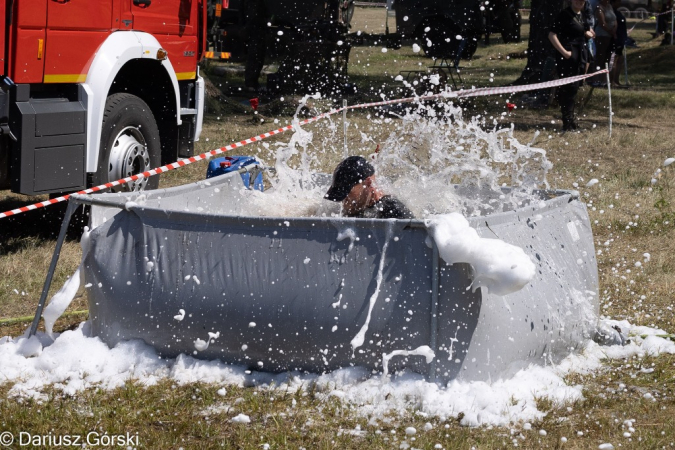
x,y
605,33
619,44
568,36
589,19
256,42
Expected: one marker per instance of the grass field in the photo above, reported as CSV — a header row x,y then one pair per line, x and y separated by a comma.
x,y
631,216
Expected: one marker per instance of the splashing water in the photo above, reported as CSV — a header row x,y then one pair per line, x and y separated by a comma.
x,y
432,160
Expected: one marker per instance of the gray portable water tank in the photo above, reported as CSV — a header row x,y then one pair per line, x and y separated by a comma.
x,y
284,294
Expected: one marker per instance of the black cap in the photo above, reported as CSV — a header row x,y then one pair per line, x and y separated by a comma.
x,y
350,172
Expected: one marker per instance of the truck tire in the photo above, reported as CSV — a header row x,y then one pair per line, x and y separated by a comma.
x,y
641,13
130,143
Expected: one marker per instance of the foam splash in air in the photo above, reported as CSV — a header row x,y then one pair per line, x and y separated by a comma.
x,y
201,345
428,148
499,267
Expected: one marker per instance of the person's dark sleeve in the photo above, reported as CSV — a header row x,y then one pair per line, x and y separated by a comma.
x,y
393,208
589,18
621,30
558,26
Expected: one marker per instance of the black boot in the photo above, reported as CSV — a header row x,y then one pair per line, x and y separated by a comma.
x,y
567,111
575,122
568,123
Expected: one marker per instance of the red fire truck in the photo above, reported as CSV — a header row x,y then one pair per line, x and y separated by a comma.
x,y
97,90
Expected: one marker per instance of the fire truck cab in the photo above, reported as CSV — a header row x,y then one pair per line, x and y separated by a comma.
x,y
95,91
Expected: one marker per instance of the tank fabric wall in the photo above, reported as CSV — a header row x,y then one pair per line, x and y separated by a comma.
x,y
292,293
554,313
283,294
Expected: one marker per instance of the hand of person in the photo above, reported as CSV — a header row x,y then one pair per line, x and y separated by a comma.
x,y
590,34
567,54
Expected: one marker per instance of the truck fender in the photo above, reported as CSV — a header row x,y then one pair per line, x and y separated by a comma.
x,y
118,49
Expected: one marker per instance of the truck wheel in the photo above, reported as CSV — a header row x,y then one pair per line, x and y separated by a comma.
x,y
641,13
129,143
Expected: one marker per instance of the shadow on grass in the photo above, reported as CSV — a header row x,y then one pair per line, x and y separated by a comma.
x,y
661,58
41,225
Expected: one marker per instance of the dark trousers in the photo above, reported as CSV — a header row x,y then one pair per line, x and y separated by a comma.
x,y
566,94
256,41
603,45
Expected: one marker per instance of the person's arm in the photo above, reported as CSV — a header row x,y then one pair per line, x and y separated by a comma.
x,y
558,46
600,14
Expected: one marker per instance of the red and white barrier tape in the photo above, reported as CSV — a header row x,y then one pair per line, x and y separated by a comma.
x,y
168,167
184,162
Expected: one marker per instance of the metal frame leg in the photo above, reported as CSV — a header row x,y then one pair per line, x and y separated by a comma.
x,y
52,267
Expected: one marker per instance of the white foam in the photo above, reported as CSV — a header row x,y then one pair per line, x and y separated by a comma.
x,y
241,418
63,298
499,267
357,341
347,233
180,316
463,163
423,350
201,345
75,361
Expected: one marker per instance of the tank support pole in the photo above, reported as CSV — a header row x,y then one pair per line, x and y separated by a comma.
x,y
609,92
344,125
434,311
72,205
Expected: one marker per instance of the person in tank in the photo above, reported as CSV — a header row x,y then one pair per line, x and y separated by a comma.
x,y
354,185
568,36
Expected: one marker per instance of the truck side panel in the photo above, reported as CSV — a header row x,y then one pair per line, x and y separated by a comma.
x,y
182,54
31,13
175,25
80,15
69,55
75,30
28,64
27,46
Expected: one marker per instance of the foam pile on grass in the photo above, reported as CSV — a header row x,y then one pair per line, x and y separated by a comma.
x,y
75,361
